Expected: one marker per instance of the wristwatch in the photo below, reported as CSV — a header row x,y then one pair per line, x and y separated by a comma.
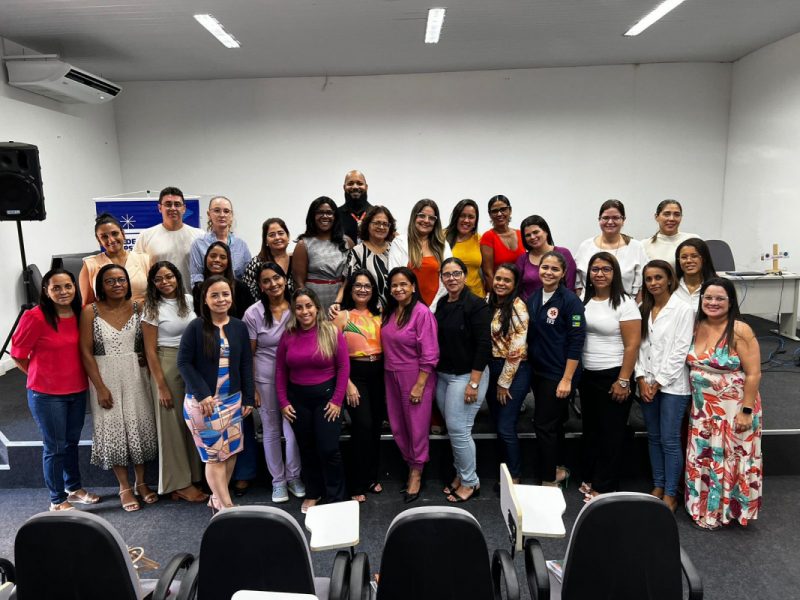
x,y
623,383
747,410
473,385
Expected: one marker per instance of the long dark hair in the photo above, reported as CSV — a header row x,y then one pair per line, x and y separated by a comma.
x,y
505,305
363,229
265,254
708,270
451,233
263,297
436,239
373,305
539,222
617,292
337,232
100,293
228,270
209,329
727,338
48,307
392,305
661,206
613,203
153,296
648,300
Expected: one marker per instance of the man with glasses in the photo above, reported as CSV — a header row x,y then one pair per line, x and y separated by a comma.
x,y
355,206
171,239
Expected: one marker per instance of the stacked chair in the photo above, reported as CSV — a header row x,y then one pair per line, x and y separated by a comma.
x,y
623,546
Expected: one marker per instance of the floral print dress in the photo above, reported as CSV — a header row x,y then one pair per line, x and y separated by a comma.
x,y
723,467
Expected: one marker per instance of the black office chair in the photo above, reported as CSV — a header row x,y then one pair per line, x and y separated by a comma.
x,y
721,255
259,548
624,546
436,553
75,554
7,578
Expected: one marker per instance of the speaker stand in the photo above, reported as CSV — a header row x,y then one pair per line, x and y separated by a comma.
x,y
26,281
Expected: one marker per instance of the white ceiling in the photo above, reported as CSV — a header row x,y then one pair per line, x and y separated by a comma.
x,y
134,40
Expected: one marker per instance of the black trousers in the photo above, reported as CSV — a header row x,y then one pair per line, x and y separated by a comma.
x,y
365,427
318,440
605,423
549,415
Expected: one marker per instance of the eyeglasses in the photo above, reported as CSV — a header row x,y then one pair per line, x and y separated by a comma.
x,y
717,299
452,274
113,280
616,219
324,213
362,286
172,204
425,217
606,270
221,211
380,224
162,279
499,210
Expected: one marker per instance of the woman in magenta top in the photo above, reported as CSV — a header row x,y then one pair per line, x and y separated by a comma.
x,y
45,347
411,352
312,368
538,241
502,243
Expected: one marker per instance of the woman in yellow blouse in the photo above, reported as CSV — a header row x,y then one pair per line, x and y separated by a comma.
x,y
462,237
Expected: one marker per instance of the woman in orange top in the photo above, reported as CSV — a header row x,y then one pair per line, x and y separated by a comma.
x,y
502,243
422,250
360,321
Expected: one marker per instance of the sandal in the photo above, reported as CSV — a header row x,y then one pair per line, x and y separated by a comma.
x,y
360,498
585,488
197,496
129,506
450,490
82,496
456,499
148,498
375,487
590,495
61,506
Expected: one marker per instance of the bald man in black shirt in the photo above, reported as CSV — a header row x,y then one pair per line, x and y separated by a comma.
x,y
355,205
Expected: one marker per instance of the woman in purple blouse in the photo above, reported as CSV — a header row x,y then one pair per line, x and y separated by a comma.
x,y
411,351
538,241
312,368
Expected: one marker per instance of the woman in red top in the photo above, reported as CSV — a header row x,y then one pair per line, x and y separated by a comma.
x,y
502,243
45,347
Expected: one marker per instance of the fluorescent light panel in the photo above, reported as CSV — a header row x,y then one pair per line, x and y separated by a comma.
x,y
434,27
657,13
216,29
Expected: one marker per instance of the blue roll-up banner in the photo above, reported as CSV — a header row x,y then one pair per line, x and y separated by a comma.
x,y
137,213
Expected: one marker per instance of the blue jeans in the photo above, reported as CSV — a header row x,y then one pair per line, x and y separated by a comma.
x,y
60,420
506,416
663,417
459,417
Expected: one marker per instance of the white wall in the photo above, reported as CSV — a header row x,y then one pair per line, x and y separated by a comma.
x,y
80,160
762,183
556,141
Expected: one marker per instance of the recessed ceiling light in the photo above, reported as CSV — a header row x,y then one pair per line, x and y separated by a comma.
x,y
434,27
658,12
217,30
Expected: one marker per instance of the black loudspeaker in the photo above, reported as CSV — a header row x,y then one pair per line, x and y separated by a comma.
x,y
21,194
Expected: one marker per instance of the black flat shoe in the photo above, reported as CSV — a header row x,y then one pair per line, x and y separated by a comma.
x,y
375,488
409,498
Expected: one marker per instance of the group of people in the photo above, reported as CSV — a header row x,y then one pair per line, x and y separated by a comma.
x,y
184,337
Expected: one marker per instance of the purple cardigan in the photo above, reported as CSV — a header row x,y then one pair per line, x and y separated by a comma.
x,y
415,346
529,273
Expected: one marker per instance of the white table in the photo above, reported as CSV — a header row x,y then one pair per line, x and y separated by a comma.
x,y
256,595
777,295
530,510
333,526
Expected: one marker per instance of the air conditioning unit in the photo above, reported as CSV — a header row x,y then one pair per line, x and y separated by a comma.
x,y
58,80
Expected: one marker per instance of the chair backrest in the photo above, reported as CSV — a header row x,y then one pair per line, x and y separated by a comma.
x,y
72,555
623,546
721,255
253,548
436,552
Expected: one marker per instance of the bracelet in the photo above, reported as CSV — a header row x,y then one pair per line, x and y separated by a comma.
x,y
747,410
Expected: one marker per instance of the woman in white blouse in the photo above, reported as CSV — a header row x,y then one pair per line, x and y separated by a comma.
x,y
662,375
629,253
664,242
693,266
609,355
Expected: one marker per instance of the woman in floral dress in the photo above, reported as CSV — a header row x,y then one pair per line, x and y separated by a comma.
x,y
723,459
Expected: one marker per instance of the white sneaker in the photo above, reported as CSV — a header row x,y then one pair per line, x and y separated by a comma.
x,y
297,488
279,494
